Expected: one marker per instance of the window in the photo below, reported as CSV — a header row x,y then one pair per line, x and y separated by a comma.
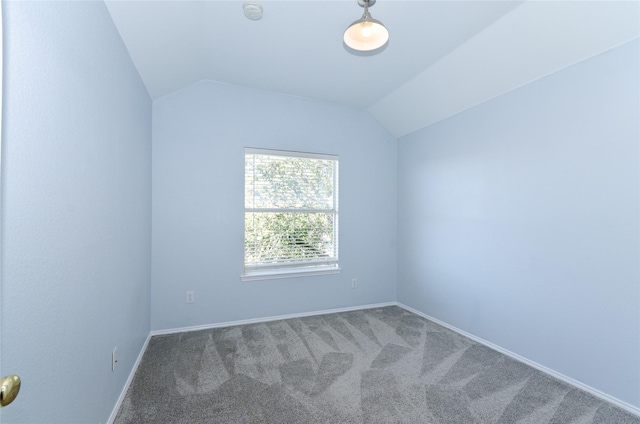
x,y
290,214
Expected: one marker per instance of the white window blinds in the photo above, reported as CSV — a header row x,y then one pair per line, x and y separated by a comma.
x,y
291,211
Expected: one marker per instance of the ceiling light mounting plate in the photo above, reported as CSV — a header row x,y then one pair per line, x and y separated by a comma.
x,y
362,2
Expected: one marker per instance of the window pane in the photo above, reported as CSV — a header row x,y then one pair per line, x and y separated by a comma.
x,y
291,212
287,237
288,182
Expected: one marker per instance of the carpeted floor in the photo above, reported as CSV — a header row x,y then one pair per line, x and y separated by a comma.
x,y
383,365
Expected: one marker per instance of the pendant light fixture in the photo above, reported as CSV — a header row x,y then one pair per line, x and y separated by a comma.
x,y
366,33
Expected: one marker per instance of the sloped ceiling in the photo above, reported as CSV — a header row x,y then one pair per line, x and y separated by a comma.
x,y
443,56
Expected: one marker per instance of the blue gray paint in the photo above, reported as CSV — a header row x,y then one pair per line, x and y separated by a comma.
x,y
519,222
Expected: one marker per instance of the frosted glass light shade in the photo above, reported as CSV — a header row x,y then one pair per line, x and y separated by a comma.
x,y
366,34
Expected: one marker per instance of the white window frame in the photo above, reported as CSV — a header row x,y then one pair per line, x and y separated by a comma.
x,y
288,270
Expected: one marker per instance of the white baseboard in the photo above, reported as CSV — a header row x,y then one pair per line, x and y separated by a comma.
x,y
268,319
617,402
116,408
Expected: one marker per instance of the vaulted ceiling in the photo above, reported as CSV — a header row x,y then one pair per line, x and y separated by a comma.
x,y
443,56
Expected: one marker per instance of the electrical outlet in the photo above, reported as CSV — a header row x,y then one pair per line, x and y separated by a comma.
x,y
114,359
191,297
354,283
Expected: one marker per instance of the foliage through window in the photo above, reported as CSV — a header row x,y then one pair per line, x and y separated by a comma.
x,y
291,212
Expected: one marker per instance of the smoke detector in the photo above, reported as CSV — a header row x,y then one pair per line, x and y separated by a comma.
x,y
252,10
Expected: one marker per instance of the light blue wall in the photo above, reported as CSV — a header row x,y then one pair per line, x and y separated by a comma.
x,y
518,221
199,135
76,211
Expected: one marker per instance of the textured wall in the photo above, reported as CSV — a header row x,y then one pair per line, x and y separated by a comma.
x,y
519,222
76,209
199,135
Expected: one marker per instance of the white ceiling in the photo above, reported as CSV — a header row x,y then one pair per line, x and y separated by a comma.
x,y
443,56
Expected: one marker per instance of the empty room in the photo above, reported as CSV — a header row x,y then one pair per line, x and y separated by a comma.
x,y
320,211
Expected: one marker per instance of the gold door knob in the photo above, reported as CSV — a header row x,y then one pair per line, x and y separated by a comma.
x,y
9,388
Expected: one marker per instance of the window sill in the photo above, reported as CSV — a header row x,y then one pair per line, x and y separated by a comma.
x,y
291,273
